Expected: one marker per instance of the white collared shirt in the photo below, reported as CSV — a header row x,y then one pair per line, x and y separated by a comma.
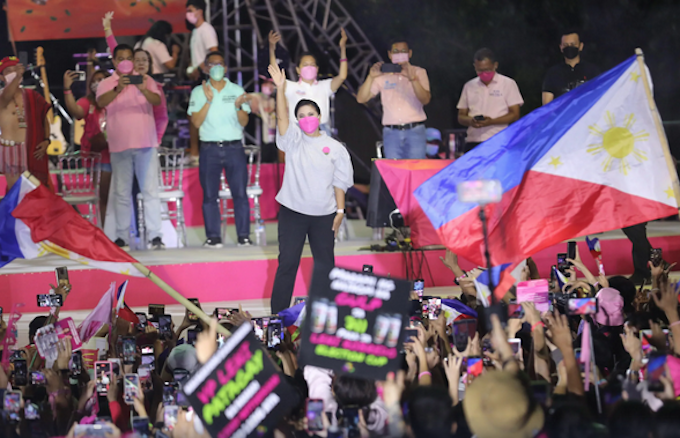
x,y
319,92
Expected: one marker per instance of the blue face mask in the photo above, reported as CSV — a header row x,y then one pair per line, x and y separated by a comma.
x,y
217,72
432,149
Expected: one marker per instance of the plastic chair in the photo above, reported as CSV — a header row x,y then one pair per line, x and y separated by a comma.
x,y
169,191
78,176
253,191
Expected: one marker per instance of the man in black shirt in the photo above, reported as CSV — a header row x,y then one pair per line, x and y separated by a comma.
x,y
568,75
563,78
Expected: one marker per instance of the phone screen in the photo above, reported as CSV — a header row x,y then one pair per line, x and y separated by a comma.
x,y
12,405
315,415
260,328
562,264
582,306
142,321
37,378
170,416
191,336
170,393
103,372
20,372
434,308
61,274
49,300
349,420
515,344
656,368
156,310
140,424
367,268
462,331
131,388
419,287
475,366
274,334
571,250
410,334
129,349
165,325
191,315
75,365
541,391
655,256
31,411
222,313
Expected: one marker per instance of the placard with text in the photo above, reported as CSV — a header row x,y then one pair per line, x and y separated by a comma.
x,y
354,322
239,391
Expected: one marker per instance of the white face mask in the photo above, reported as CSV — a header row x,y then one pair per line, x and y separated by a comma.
x,y
9,77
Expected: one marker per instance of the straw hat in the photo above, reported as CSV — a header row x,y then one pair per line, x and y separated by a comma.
x,y
497,405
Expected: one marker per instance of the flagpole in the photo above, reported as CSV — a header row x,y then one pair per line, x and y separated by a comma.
x,y
659,127
177,296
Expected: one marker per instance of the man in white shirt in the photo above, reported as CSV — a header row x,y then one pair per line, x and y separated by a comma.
x,y
203,41
489,102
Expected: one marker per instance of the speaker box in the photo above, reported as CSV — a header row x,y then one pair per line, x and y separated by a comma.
x,y
380,201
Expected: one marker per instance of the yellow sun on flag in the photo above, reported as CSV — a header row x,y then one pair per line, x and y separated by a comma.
x,y
618,142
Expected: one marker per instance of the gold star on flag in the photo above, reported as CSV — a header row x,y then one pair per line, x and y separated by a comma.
x,y
669,192
125,272
634,76
555,161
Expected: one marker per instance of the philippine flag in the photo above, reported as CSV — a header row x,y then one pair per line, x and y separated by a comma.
x,y
590,161
35,222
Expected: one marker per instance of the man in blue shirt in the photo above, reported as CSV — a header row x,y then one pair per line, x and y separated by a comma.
x,y
219,110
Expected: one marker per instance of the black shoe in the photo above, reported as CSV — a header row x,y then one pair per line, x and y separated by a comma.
x,y
213,242
156,243
122,245
244,241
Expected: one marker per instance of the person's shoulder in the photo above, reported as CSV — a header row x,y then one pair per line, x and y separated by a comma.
x,y
589,66
471,83
206,28
420,69
504,79
555,69
197,90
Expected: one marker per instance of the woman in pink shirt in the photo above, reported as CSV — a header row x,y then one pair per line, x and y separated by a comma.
x,y
93,139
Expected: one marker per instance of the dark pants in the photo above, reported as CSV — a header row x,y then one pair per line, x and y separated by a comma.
x,y
231,158
637,234
293,228
470,146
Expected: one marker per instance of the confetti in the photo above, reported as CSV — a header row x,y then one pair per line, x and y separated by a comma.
x,y
66,11
23,28
67,30
157,8
30,11
53,18
151,20
165,5
133,4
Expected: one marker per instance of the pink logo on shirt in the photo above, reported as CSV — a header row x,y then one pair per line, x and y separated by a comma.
x,y
326,150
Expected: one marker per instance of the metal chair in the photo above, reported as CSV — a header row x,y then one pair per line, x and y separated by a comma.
x,y
171,172
253,191
78,175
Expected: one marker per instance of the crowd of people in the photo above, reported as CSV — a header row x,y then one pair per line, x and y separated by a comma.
x,y
524,376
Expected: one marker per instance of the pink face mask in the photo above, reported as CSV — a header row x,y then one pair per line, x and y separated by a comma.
x,y
486,76
191,17
309,72
125,67
399,58
309,124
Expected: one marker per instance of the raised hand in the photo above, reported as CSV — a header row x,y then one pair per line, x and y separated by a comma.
x,y
393,387
206,342
666,298
559,329
274,39
142,87
343,38
450,260
123,81
106,21
375,70
69,77
208,91
278,75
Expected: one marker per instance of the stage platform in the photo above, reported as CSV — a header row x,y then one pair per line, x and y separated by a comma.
x,y
233,276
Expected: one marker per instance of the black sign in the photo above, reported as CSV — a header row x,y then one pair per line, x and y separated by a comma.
x,y
353,322
239,391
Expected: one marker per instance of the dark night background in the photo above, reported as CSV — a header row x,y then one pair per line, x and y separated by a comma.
x,y
444,34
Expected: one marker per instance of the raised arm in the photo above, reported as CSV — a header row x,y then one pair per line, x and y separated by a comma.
x,y
73,108
342,74
274,39
364,94
108,33
279,77
7,95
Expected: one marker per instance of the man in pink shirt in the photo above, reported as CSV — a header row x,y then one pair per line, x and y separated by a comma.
x,y
489,102
133,143
404,89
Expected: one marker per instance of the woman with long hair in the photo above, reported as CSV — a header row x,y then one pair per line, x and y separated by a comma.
x,y
94,137
317,175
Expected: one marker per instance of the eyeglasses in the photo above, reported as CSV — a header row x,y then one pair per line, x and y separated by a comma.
x,y
213,64
399,51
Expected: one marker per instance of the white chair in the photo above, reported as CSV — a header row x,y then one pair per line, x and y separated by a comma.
x,y
169,191
78,177
253,191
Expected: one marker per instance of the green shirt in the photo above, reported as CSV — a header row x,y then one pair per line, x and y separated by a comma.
x,y
221,122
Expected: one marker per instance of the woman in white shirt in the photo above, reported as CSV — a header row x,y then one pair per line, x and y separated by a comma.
x,y
155,42
318,173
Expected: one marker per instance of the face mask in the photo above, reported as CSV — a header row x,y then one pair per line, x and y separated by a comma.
x,y
432,149
309,124
9,77
93,86
267,91
217,72
486,76
309,72
570,52
125,67
399,58
192,18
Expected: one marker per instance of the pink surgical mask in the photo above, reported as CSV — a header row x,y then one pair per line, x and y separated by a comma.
x,y
399,58
486,76
125,67
309,124
267,91
309,72
191,17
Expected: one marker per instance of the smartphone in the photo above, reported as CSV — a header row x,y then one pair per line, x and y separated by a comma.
x,y
23,59
50,300
103,376
75,365
462,330
656,367
81,75
562,263
179,375
38,378
542,392
12,405
148,356
475,366
170,393
93,430
31,411
315,414
145,382
115,366
61,274
223,313
274,334
515,311
136,79
582,306
515,344
349,421
434,308
170,416
577,355
140,424
259,328
165,326
129,349
191,336
156,310
388,67
298,300
20,372
367,268
571,250
142,321
655,256
131,388
419,287
191,315
645,335
479,118
410,334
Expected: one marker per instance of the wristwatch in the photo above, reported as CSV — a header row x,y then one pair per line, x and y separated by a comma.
x,y
341,210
